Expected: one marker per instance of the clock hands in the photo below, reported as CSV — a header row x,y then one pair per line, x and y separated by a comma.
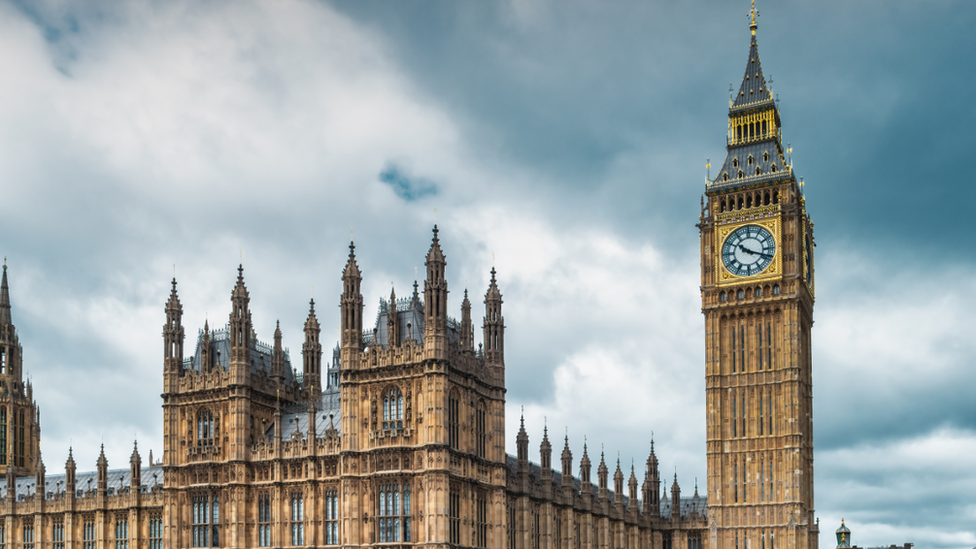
x,y
748,251
753,252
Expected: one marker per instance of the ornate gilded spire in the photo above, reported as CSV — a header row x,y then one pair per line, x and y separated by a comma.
x,y
753,13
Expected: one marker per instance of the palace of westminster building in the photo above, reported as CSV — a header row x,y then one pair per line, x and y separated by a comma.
x,y
405,444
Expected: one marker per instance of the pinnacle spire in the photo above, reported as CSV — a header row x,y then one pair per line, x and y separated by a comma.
x,y
4,298
753,88
352,269
435,254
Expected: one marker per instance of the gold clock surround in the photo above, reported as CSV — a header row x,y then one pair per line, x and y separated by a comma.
x,y
774,270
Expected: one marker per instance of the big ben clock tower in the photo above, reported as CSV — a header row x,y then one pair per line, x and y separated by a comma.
x,y
757,297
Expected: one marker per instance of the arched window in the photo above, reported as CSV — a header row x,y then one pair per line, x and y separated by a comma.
x,y
735,162
741,294
741,175
453,415
776,289
264,520
479,429
758,292
205,428
750,160
206,520
393,409
772,168
393,513
758,170
766,156
722,296
725,176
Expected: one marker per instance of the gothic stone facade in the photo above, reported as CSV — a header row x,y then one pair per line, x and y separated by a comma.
x,y
757,281
405,444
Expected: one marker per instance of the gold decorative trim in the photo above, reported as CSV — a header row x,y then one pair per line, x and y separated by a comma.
x,y
773,271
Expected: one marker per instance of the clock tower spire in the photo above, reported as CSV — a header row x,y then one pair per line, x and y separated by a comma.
x,y
757,298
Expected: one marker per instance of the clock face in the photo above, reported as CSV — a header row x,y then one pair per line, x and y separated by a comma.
x,y
748,250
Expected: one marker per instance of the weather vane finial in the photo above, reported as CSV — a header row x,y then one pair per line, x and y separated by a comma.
x,y
753,13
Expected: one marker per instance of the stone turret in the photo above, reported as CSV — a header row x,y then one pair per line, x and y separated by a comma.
x,y
351,304
467,330
545,460
173,341
240,331
652,486
567,459
312,355
435,301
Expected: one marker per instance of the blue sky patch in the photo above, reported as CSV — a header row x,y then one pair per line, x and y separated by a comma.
x,y
406,187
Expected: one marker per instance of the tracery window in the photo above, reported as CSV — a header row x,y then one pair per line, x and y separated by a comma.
x,y
332,517
511,526
205,428
156,532
454,515
206,520
481,521
393,409
88,533
28,536
733,353
762,486
57,534
479,429
453,415
735,481
20,441
393,511
122,533
297,519
3,434
264,520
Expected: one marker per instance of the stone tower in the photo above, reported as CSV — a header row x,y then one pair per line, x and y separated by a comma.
x,y
20,423
757,297
423,418
218,408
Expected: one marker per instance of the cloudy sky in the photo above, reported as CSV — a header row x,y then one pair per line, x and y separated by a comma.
x,y
565,139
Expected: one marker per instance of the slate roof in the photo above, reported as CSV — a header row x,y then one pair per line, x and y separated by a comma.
x,y
261,354
753,89
297,419
118,482
770,149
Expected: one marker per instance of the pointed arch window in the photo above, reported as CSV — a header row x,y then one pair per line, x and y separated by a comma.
x,y
297,519
205,428
264,520
332,517
206,520
479,429
393,408
453,416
